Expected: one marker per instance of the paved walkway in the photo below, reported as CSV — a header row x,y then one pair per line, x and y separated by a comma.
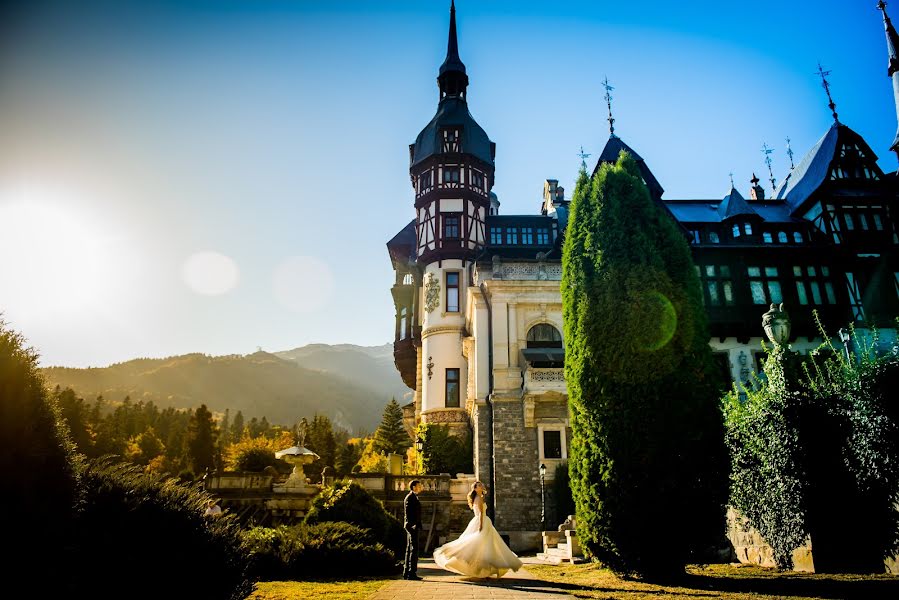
x,y
438,584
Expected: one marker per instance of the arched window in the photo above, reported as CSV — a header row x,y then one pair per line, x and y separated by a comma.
x,y
747,227
544,335
766,237
797,237
404,316
713,237
782,237
736,231
407,279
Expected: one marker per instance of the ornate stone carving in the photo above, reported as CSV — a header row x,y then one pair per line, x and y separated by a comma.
x,y
445,415
536,374
432,292
520,271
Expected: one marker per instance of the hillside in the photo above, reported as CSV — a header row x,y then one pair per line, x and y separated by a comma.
x,y
368,367
283,389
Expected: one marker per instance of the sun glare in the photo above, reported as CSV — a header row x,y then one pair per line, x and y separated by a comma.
x,y
52,260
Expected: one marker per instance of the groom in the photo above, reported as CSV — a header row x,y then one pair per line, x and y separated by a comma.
x,y
412,524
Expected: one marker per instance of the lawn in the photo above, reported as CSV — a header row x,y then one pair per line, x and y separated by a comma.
x,y
333,589
718,581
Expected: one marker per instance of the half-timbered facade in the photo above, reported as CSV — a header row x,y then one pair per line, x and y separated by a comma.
x,y
478,332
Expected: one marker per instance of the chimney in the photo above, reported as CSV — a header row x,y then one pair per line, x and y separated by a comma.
x,y
756,192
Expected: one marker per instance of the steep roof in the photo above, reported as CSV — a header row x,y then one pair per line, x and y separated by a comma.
x,y
811,171
402,246
610,153
735,205
453,111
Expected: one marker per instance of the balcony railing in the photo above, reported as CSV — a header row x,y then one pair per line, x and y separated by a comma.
x,y
538,379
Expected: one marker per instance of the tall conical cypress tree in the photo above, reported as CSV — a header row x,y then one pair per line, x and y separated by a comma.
x,y
647,461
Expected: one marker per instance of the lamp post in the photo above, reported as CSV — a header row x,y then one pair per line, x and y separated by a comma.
x,y
844,337
419,446
542,497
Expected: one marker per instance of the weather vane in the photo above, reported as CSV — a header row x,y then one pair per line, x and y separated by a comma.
x,y
731,179
767,152
583,156
608,97
826,85
790,153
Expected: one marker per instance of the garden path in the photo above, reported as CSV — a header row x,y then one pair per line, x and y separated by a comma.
x,y
438,584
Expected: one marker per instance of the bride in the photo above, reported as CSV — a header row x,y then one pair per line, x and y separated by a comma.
x,y
479,551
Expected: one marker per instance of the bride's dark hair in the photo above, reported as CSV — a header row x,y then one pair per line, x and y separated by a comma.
x,y
473,493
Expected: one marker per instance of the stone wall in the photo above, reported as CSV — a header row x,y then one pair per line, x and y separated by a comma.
x,y
483,454
517,493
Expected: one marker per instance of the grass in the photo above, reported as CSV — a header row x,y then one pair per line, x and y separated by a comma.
x,y
333,589
718,581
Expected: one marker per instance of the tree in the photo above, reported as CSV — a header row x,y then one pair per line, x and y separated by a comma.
x,y
144,447
77,414
237,427
320,439
201,434
225,429
40,481
643,390
348,455
391,436
443,452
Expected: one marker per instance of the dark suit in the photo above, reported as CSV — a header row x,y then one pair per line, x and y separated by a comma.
x,y
412,524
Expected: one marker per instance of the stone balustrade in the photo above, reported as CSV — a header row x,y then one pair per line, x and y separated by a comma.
x,y
537,379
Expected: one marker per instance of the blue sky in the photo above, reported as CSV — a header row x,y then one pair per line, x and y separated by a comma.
x,y
270,139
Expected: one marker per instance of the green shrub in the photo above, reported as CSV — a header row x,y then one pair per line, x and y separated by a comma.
x,y
255,460
329,548
39,482
815,454
349,502
143,536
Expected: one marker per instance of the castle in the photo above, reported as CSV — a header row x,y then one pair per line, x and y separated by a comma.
x,y
478,307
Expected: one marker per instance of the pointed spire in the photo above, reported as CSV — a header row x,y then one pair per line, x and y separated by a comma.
x,y
893,64
767,152
790,153
608,97
452,77
826,85
731,180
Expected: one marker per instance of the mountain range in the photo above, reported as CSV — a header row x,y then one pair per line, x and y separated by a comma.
x,y
349,384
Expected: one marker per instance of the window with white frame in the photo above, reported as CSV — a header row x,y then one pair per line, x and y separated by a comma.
x,y
552,442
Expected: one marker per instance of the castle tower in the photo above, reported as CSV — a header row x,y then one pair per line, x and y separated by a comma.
x,y
451,167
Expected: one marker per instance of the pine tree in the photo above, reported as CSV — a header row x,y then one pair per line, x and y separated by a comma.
x,y
647,459
391,436
320,439
201,435
237,428
225,429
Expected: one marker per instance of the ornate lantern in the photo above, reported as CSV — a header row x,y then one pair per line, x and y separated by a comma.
x,y
776,323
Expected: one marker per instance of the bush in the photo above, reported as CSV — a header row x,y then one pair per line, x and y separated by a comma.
x,y
815,454
349,502
329,548
39,482
443,452
146,537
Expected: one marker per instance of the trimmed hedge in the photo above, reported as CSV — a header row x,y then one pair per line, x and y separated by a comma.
x,y
325,549
349,502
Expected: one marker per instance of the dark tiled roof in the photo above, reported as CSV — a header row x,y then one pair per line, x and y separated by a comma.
x,y
453,111
708,211
811,171
610,154
735,205
402,246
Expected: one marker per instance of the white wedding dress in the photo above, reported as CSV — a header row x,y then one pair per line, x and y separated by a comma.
x,y
479,551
